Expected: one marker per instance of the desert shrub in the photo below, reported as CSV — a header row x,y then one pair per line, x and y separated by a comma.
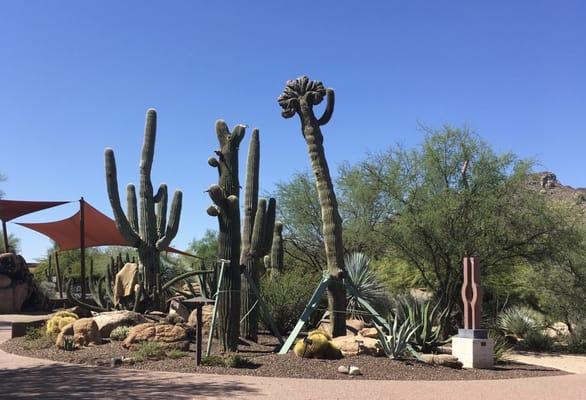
x,y
148,351
397,344
33,333
537,340
176,353
576,344
42,342
212,361
68,343
286,296
367,284
425,318
119,333
502,345
519,321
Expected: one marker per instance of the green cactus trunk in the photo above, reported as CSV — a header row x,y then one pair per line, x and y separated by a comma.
x,y
299,97
147,230
277,256
226,209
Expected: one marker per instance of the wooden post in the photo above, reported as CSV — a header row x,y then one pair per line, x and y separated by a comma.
x,y
198,337
59,277
5,237
82,246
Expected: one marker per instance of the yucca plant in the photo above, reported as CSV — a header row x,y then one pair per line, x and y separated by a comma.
x,y
398,342
502,346
519,321
367,285
426,318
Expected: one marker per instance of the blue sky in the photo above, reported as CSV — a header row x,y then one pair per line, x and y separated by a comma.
x,y
77,77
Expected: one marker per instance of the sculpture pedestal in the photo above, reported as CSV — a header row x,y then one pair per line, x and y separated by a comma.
x,y
473,348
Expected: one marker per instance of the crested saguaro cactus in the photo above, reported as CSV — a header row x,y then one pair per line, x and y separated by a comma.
x,y
299,97
226,209
145,227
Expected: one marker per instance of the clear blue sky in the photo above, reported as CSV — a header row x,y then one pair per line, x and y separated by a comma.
x,y
78,76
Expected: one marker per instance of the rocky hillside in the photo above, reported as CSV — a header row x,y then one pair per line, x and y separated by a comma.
x,y
547,183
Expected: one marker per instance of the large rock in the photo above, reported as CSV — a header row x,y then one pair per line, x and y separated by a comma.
x,y
108,321
85,333
167,335
441,359
12,298
206,312
369,333
353,326
351,345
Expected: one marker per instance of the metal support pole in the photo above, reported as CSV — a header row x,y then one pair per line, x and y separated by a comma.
x,y
6,250
215,312
82,246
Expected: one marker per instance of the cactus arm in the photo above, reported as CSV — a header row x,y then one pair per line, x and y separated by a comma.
x,y
161,200
258,231
131,210
269,226
325,118
112,185
173,225
73,299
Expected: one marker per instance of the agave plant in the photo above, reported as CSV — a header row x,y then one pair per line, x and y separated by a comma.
x,y
426,319
367,285
519,321
397,343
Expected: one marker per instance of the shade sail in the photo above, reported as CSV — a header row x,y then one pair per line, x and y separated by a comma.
x,y
100,230
10,209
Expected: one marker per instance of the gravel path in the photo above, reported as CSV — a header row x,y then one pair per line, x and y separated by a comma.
x,y
23,377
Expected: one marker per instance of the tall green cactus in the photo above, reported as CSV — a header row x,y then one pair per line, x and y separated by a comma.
x,y
299,97
277,256
226,208
144,227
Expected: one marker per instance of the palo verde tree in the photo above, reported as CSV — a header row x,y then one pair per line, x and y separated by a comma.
x,y
151,233
226,208
299,97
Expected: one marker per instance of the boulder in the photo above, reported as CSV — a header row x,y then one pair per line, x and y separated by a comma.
x,y
13,297
206,313
351,345
441,359
167,335
369,333
108,321
86,332
353,326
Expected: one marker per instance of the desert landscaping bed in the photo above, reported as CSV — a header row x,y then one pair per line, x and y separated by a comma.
x,y
266,363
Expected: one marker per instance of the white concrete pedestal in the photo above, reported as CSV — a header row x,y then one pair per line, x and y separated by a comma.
x,y
473,353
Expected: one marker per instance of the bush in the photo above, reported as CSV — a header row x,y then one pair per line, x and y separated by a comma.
x,y
176,353
502,346
519,321
33,333
120,333
149,351
212,361
286,296
537,340
43,342
230,361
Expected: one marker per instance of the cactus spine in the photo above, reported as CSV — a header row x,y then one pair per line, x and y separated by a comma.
x,y
143,227
226,208
299,97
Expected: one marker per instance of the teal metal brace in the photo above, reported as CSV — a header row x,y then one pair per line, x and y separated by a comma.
x,y
263,307
309,309
215,312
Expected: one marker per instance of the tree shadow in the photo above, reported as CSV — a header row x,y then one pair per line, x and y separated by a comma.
x,y
78,382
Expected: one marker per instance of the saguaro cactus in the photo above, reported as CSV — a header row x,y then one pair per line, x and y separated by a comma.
x,y
150,233
226,209
299,97
277,256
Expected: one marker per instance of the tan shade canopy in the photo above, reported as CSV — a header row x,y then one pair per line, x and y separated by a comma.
x,y
100,230
10,209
